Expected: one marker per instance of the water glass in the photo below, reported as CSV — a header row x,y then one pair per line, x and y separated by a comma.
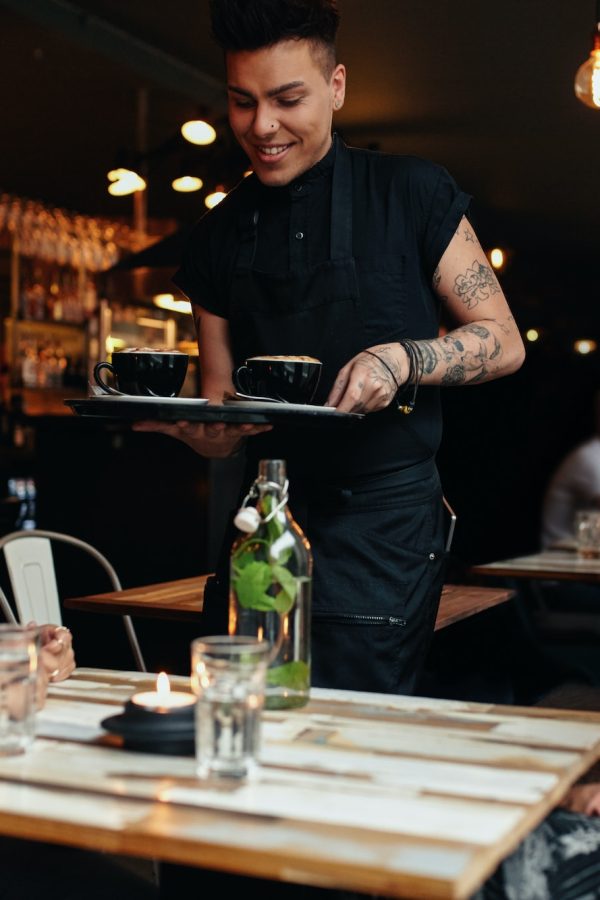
x,y
228,677
19,647
587,533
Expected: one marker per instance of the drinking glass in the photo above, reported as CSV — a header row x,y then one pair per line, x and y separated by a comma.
x,y
587,533
228,677
19,647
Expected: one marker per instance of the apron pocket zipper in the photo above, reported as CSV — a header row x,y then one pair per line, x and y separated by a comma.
x,y
358,619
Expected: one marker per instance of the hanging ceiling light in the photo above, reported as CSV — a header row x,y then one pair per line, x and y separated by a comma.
x,y
124,181
185,184
198,131
217,195
587,80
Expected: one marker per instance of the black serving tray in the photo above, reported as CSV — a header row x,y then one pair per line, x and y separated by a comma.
x,y
162,409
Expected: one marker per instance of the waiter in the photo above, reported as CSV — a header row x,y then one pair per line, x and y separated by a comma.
x,y
346,255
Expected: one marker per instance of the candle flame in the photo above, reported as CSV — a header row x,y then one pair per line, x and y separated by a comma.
x,y
163,686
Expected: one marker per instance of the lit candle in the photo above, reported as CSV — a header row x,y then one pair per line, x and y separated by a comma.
x,y
163,699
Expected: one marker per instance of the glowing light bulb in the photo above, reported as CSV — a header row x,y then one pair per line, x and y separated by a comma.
x,y
185,184
212,199
497,258
199,132
584,347
124,181
168,301
587,79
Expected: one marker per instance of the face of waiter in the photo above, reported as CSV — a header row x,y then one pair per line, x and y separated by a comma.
x,y
281,101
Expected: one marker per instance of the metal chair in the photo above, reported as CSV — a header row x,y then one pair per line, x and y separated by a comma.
x,y
30,565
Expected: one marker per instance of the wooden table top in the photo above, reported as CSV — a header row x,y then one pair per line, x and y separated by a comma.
x,y
399,796
551,565
183,599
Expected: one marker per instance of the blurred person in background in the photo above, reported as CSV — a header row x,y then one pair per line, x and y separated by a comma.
x,y
574,486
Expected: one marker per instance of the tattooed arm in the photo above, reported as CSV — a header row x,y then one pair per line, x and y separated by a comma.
x,y
486,343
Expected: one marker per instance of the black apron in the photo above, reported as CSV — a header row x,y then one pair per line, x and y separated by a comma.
x,y
376,538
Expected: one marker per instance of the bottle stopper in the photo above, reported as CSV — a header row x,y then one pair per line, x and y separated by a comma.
x,y
247,519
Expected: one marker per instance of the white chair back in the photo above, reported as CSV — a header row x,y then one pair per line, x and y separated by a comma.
x,y
30,565
31,571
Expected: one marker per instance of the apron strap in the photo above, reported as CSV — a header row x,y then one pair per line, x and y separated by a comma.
x,y
341,203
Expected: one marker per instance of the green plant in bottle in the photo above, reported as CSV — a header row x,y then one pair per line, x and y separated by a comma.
x,y
270,585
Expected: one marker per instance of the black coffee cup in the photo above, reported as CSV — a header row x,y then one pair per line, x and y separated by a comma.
x,y
144,372
290,379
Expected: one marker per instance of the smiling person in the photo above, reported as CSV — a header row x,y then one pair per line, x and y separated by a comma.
x,y
346,255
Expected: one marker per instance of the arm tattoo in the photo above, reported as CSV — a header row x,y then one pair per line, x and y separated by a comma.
x,y
459,360
477,284
436,278
429,357
469,236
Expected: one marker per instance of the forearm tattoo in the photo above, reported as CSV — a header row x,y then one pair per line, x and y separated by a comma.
x,y
459,363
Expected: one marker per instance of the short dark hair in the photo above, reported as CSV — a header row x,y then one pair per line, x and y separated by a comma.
x,y
253,24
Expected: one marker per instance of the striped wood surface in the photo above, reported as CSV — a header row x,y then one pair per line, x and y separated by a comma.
x,y
401,796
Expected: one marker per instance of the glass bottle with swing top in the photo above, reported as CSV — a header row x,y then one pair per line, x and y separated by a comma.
x,y
270,585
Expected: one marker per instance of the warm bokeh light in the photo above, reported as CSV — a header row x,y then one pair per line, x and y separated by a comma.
x,y
168,301
198,132
212,199
185,184
147,322
114,343
587,81
585,346
532,334
497,258
124,181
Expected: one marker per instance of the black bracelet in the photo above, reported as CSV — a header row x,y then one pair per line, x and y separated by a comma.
x,y
415,371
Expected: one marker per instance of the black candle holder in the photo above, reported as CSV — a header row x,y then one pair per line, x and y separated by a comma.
x,y
146,730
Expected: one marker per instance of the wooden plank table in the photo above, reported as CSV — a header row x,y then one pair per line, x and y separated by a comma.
x,y
399,796
550,565
183,599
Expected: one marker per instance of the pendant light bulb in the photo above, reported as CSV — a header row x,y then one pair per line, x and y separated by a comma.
x,y
587,79
211,200
185,184
198,132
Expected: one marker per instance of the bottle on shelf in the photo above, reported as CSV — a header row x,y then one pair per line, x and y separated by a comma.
x,y
270,585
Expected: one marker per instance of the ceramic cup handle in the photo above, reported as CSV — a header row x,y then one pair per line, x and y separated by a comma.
x,y
105,387
239,380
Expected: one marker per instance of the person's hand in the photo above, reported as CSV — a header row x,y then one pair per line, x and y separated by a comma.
x,y
56,660
215,440
57,653
370,381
